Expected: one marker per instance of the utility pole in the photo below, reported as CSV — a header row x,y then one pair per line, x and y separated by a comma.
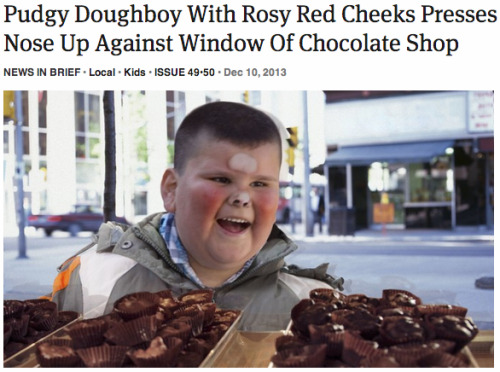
x,y
109,207
307,211
19,174
293,142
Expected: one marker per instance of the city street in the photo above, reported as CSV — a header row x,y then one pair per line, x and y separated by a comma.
x,y
440,268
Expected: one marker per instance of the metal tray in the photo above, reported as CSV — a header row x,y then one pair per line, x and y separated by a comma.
x,y
466,351
27,356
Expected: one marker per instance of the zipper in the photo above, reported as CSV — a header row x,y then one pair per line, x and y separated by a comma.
x,y
244,277
161,252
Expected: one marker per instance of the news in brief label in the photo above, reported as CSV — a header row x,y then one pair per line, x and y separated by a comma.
x,y
160,72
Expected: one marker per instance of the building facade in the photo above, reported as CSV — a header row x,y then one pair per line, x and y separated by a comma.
x,y
63,144
429,155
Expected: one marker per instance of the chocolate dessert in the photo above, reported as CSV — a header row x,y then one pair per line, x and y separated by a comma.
x,y
179,332
395,330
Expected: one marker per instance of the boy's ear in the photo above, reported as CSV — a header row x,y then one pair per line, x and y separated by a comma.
x,y
168,187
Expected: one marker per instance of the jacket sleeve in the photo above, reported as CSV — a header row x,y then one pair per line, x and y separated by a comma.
x,y
318,273
67,287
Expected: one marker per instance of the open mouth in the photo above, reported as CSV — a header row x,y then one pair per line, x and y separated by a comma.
x,y
233,225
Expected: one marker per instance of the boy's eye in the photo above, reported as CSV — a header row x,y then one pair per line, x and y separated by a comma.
x,y
220,179
258,184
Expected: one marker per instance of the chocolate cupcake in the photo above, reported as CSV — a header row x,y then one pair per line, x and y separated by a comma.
x,y
193,315
360,320
168,306
49,354
87,333
289,342
158,354
395,311
409,354
330,334
133,332
43,316
111,319
210,334
302,356
440,359
208,309
166,293
137,304
424,310
328,295
308,312
446,346
65,317
199,346
459,329
12,309
403,329
28,304
361,301
197,297
7,331
19,327
189,359
356,348
103,356
176,328
218,329
398,298
225,316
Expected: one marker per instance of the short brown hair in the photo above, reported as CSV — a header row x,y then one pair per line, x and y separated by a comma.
x,y
233,122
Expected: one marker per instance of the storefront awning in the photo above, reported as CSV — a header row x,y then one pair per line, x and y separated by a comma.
x,y
414,152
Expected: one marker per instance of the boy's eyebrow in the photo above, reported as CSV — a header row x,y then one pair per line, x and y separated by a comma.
x,y
266,178
226,173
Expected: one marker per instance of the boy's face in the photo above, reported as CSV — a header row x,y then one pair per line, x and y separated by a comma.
x,y
225,202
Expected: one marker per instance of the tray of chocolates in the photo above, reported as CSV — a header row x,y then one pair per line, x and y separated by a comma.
x,y
29,322
144,329
331,329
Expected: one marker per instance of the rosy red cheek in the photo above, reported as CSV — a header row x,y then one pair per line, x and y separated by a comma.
x,y
210,197
269,203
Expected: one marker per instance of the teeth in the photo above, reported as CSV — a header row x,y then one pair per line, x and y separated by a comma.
x,y
235,220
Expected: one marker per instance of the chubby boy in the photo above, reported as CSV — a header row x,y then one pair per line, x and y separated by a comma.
x,y
218,230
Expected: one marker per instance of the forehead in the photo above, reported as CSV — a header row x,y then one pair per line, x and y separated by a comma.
x,y
237,157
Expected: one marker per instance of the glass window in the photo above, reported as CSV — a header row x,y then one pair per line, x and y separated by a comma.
x,y
388,181
431,182
87,125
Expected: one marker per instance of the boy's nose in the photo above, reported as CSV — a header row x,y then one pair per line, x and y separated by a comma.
x,y
240,199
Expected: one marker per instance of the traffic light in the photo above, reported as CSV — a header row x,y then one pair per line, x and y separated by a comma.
x,y
246,96
290,159
9,111
293,138
293,141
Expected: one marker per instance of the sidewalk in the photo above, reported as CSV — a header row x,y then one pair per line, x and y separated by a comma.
x,y
398,234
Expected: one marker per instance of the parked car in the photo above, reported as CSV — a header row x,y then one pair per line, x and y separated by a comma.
x,y
81,218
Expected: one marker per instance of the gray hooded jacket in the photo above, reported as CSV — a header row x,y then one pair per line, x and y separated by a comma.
x,y
124,260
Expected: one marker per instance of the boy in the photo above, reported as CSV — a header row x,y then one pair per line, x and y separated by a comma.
x,y
218,230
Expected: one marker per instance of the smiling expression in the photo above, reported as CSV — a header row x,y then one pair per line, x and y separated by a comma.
x,y
225,202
